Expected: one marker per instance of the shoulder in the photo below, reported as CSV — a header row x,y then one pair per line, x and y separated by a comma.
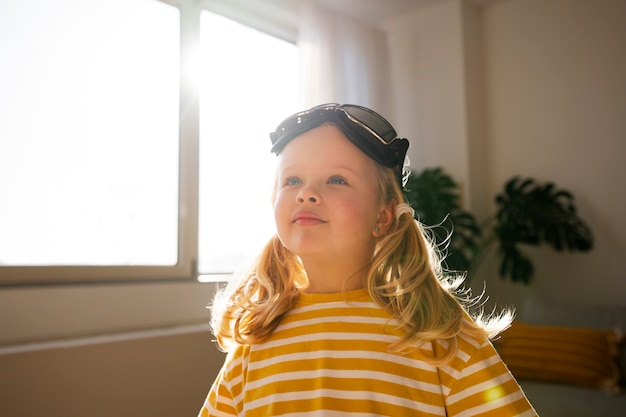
x,y
473,348
472,351
236,362
478,380
476,372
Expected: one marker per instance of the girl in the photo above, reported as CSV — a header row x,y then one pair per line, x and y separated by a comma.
x,y
347,310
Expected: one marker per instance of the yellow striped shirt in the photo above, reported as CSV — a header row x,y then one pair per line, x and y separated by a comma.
x,y
329,357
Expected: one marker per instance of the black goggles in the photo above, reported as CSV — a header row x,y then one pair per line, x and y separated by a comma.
x,y
365,128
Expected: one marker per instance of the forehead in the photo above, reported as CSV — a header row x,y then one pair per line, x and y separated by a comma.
x,y
324,145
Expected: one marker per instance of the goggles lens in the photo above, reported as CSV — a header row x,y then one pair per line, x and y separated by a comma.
x,y
368,130
370,120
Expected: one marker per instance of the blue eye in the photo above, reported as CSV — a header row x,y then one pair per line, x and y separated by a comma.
x,y
293,181
336,180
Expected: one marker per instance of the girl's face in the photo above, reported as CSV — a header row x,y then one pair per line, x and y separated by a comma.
x,y
326,205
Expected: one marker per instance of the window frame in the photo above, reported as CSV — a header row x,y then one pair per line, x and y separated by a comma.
x,y
264,16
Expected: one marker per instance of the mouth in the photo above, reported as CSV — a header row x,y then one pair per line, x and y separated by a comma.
x,y
307,218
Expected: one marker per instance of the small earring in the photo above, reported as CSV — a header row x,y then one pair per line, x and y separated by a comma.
x,y
377,229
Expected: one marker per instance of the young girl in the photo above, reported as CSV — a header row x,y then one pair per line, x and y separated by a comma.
x,y
347,311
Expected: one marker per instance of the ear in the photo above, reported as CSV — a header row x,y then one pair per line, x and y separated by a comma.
x,y
385,218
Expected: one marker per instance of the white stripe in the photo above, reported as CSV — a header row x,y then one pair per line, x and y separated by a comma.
x,y
214,412
347,319
478,367
461,354
471,341
335,304
482,387
346,395
493,405
324,336
330,413
235,363
238,398
343,354
454,374
345,374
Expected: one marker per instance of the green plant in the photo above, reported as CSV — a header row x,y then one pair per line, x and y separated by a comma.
x,y
527,213
435,198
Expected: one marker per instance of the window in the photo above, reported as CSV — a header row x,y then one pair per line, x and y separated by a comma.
x,y
248,84
101,134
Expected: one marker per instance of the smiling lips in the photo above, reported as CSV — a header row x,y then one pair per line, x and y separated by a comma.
x,y
306,218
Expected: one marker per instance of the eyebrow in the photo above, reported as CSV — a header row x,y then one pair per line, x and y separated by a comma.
x,y
336,167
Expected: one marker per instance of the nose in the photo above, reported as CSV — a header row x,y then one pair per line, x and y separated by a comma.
x,y
308,194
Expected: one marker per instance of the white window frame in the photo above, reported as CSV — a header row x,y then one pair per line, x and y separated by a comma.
x,y
262,15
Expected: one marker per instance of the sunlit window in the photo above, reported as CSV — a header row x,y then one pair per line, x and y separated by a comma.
x,y
88,132
248,85
91,149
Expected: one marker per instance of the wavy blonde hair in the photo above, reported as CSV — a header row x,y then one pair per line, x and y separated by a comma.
x,y
405,278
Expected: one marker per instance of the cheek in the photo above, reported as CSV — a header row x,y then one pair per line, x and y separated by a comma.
x,y
280,208
359,213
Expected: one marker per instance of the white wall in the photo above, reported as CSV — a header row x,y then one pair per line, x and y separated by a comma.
x,y
156,376
428,86
525,87
39,313
102,350
556,101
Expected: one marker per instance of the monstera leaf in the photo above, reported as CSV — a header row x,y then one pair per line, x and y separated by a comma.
x,y
531,213
435,198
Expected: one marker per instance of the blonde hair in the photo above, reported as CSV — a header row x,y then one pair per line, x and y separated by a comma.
x,y
405,278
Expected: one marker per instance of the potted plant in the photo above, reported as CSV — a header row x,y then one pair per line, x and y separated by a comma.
x,y
434,196
528,213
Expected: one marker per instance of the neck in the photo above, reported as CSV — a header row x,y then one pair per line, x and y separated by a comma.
x,y
334,278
